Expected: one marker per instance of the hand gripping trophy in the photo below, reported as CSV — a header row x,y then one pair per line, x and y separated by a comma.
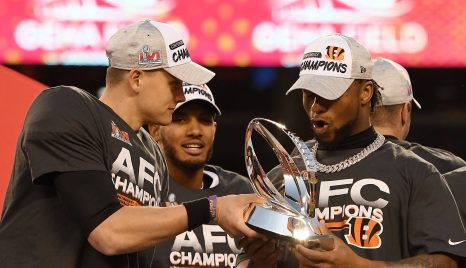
x,y
288,215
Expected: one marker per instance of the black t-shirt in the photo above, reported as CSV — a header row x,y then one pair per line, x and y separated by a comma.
x,y
456,179
389,206
207,245
67,129
443,160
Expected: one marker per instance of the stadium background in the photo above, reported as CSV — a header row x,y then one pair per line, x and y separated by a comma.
x,y
254,47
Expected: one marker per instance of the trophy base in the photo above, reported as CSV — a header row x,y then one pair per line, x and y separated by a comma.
x,y
292,229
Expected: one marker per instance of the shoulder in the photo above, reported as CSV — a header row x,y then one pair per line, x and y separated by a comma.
x,y
441,153
396,151
444,160
152,147
459,173
66,93
148,140
404,160
227,177
61,107
62,101
399,142
226,174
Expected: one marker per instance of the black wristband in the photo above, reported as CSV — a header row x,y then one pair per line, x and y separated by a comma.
x,y
198,212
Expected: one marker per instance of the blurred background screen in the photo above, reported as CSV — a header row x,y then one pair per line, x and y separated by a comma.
x,y
414,33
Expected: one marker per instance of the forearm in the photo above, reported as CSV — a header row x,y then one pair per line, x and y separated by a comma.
x,y
420,261
135,228
252,264
131,229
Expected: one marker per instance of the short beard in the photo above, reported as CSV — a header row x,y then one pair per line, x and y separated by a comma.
x,y
191,165
340,135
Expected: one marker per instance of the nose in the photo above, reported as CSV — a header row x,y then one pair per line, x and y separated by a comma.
x,y
317,105
194,128
179,95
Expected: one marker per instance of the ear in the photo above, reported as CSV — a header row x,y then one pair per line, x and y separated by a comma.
x,y
405,113
367,89
154,131
135,79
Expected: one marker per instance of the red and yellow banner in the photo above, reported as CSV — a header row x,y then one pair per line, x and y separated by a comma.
x,y
428,33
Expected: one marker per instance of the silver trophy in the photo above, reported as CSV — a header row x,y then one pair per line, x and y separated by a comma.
x,y
289,214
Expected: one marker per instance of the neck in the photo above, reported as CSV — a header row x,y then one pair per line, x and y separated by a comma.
x,y
389,131
188,178
358,140
123,105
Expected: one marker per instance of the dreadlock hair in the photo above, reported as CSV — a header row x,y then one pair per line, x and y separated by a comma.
x,y
376,97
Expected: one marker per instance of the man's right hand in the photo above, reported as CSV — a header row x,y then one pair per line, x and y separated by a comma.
x,y
230,214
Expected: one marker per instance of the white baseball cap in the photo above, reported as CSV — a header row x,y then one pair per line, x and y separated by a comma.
x,y
330,64
149,45
394,82
201,92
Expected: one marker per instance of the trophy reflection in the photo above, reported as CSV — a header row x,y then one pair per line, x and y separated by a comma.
x,y
289,214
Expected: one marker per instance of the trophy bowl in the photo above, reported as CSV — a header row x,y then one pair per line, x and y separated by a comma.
x,y
289,214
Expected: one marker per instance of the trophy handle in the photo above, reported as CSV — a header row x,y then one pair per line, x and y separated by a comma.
x,y
296,198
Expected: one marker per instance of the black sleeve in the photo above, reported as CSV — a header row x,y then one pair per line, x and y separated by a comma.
x,y
88,195
61,135
434,221
456,180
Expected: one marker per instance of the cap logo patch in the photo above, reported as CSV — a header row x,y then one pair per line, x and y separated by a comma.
x,y
181,54
176,45
312,55
335,53
327,66
148,56
197,90
363,70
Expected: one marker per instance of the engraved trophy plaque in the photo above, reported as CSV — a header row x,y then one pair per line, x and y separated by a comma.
x,y
289,214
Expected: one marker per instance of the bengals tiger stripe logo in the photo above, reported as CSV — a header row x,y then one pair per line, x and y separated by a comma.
x,y
364,232
335,53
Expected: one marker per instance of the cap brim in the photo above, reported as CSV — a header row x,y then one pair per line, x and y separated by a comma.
x,y
329,88
191,73
217,110
417,103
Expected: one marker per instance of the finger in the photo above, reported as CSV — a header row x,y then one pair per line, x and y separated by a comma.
x,y
315,256
302,259
266,253
269,248
323,227
272,258
256,249
247,241
252,198
250,233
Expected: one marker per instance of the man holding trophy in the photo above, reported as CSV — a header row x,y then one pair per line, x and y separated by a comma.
x,y
383,205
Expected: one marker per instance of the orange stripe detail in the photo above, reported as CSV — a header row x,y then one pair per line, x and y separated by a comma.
x,y
336,224
357,231
126,201
375,239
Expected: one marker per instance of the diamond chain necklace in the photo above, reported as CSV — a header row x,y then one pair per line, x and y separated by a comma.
x,y
349,161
